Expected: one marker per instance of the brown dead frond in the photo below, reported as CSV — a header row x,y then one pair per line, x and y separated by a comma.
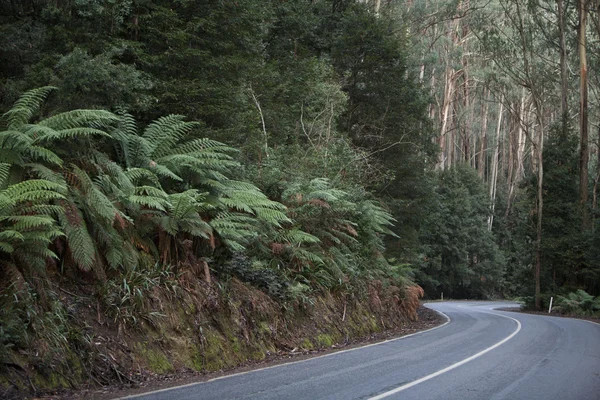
x,y
319,203
277,248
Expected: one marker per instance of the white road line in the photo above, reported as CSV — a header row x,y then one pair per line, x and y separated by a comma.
x,y
453,366
290,363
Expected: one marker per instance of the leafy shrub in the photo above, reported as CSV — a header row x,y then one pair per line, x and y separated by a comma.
x,y
579,302
270,281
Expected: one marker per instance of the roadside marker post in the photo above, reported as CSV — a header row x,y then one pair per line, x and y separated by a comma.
x,y
550,308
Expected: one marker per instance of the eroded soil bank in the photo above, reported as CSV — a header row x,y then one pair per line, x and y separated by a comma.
x,y
200,332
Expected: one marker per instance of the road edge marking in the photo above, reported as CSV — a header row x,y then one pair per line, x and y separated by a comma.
x,y
133,396
453,366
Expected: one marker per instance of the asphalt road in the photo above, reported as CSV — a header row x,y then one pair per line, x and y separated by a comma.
x,y
480,353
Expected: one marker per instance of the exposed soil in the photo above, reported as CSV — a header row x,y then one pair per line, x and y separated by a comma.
x,y
427,319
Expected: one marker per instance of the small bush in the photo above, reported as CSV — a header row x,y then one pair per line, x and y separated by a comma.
x,y
579,303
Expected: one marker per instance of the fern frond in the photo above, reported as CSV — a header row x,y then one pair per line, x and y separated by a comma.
x,y
296,237
22,223
27,105
4,172
14,140
6,247
34,190
136,175
47,174
78,238
70,133
307,256
11,235
41,153
199,145
80,118
165,172
149,202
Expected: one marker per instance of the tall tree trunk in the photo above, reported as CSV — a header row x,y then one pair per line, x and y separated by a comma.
x,y
494,169
483,140
445,144
597,180
467,123
583,117
564,110
540,209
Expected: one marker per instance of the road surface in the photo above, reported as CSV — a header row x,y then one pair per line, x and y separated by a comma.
x,y
480,353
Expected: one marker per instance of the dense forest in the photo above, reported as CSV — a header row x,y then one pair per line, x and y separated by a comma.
x,y
304,147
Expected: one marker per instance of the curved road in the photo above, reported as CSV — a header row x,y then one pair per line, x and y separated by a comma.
x,y
480,353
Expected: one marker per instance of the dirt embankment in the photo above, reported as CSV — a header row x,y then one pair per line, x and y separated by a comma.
x,y
199,332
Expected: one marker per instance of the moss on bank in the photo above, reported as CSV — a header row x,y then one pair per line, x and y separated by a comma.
x,y
192,333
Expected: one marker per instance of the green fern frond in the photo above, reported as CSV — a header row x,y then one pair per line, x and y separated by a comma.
x,y
80,118
96,201
6,247
34,190
127,125
79,132
41,153
296,237
13,139
47,174
304,255
137,175
27,105
199,145
165,172
47,209
22,223
137,151
149,202
11,235
272,216
78,238
4,173
151,191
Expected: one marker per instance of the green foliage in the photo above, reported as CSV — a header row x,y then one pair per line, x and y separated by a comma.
x,y
579,303
460,256
26,324
128,297
267,181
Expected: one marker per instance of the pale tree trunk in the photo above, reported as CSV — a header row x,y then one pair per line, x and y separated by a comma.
x,y
467,123
517,169
445,114
494,169
483,141
583,117
511,153
431,106
521,142
564,110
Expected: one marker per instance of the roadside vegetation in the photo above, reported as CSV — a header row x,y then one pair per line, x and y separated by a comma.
x,y
195,184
